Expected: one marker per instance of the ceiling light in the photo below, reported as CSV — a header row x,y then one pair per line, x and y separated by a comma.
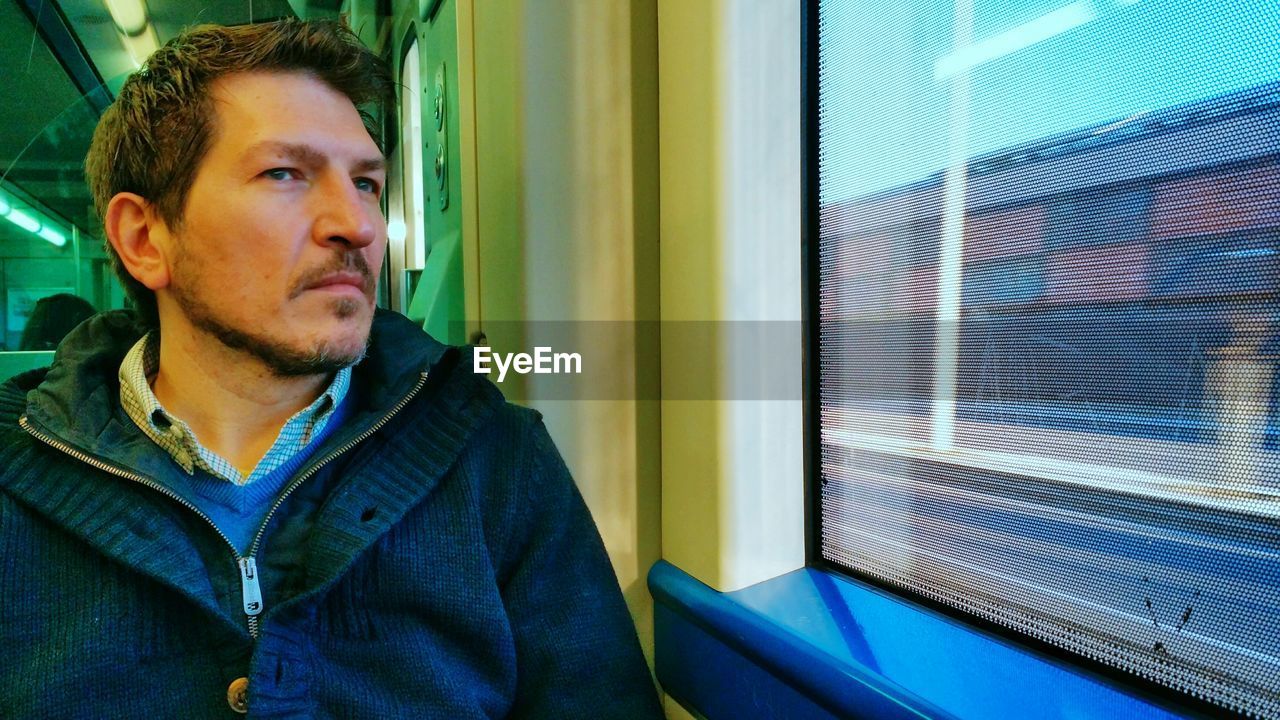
x,y
130,16
31,221
397,231
52,236
136,30
23,220
141,46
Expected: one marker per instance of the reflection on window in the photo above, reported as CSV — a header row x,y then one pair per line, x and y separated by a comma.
x,y
1049,329
51,250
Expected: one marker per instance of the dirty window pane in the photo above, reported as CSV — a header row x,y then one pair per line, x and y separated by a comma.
x,y
1049,242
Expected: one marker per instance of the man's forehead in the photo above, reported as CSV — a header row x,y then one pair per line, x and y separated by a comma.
x,y
260,112
243,85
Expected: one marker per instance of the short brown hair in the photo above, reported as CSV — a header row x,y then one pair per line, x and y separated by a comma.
x,y
151,140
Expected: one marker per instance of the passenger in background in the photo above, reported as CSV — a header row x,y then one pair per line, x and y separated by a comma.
x,y
52,318
260,492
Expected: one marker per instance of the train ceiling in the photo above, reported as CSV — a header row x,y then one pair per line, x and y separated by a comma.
x,y
62,63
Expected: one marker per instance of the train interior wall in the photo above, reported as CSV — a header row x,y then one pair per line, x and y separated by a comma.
x,y
623,176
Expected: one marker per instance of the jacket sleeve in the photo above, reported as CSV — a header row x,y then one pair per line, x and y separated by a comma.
x,y
577,653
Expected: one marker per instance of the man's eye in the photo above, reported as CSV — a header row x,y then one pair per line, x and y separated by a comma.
x,y
279,174
368,185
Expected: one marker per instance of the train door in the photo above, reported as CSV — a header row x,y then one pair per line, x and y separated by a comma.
x,y
425,212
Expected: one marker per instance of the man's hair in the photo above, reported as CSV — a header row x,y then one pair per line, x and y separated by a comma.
x,y
151,140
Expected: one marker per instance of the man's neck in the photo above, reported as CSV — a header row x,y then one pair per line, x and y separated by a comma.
x,y
233,403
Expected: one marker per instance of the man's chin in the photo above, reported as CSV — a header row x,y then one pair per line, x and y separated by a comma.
x,y
345,351
318,357
345,343
326,345
349,308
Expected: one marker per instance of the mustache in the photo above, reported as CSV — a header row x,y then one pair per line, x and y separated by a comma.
x,y
344,263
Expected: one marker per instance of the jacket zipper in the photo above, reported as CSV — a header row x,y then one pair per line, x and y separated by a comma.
x,y
257,538
246,565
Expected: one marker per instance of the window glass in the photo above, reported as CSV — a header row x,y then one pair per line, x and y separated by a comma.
x,y
55,272
1049,240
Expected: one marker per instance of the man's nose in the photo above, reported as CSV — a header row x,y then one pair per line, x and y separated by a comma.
x,y
347,215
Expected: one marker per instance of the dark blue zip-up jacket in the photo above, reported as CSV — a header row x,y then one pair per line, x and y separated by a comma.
x,y
433,560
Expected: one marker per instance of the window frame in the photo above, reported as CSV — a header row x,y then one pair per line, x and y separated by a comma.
x,y
1158,695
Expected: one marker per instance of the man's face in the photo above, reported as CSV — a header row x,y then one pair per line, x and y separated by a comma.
x,y
282,235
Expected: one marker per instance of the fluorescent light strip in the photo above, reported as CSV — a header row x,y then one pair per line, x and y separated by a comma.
x,y
31,222
23,220
1025,35
53,236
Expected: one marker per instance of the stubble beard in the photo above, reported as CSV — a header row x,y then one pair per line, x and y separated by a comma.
x,y
281,359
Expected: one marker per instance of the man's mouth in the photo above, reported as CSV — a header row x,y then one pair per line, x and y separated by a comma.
x,y
350,278
353,279
342,282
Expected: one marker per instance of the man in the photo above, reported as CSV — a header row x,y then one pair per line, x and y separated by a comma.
x,y
277,500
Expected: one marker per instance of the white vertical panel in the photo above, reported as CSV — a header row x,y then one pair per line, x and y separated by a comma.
x,y
730,118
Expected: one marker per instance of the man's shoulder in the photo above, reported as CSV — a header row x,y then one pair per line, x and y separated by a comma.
x,y
13,405
512,456
20,384
514,424
13,395
502,428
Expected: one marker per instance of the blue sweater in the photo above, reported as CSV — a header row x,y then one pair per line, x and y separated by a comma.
x,y
239,510
432,560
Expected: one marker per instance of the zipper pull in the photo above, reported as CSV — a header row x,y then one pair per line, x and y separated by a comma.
x,y
249,587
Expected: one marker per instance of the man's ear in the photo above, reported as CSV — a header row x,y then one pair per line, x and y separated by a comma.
x,y
140,238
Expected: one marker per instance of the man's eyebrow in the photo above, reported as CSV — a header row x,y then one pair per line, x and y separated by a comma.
x,y
373,164
309,155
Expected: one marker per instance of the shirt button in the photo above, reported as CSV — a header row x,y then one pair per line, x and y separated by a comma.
x,y
238,695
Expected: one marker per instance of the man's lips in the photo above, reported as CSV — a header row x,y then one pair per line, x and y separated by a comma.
x,y
341,281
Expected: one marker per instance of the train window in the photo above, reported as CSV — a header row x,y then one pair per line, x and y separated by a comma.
x,y
54,270
406,250
1047,323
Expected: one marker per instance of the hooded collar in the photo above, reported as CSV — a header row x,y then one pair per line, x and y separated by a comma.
x,y
78,399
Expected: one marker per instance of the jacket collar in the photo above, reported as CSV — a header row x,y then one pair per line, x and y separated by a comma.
x,y
78,400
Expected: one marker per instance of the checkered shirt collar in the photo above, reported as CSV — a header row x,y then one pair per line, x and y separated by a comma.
x,y
177,438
